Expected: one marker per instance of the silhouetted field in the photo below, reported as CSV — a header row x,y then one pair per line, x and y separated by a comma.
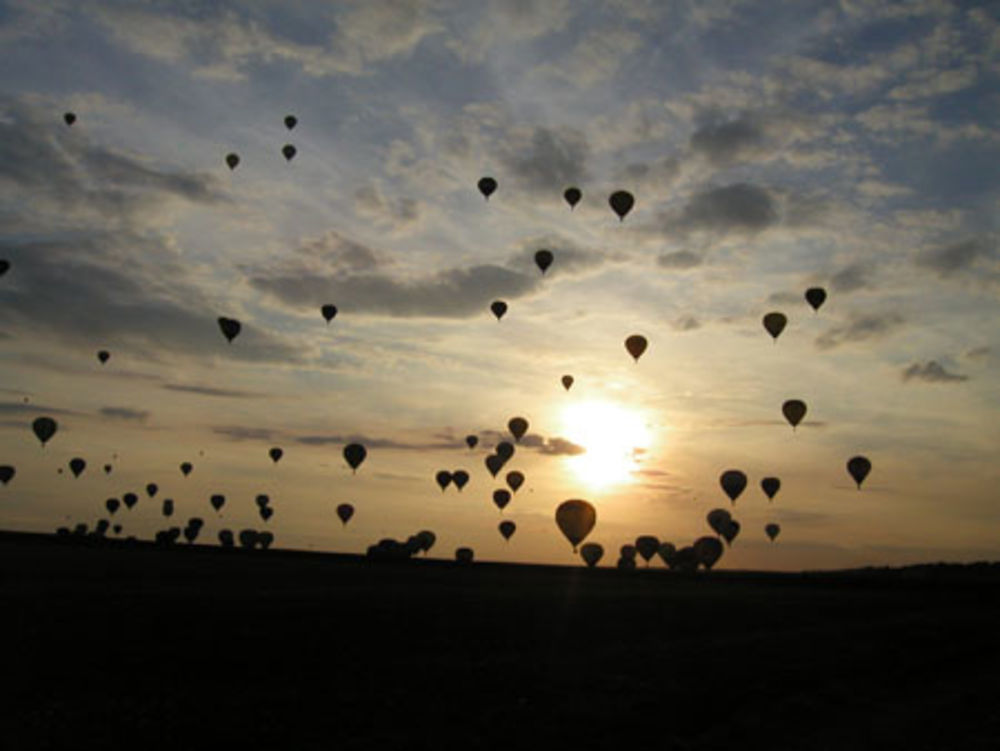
x,y
133,646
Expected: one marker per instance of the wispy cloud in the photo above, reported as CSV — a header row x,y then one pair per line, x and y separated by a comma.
x,y
931,372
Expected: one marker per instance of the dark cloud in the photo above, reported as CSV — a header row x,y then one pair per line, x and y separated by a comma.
x,y
785,298
541,444
726,142
931,372
376,443
210,391
947,259
22,408
242,433
851,278
544,159
738,208
681,259
686,323
860,328
125,413
978,353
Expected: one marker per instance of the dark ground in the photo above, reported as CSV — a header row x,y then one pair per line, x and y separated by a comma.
x,y
137,647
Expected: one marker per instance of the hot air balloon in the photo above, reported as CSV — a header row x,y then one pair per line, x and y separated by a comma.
x,y
7,473
667,551
275,454
107,469
515,480
186,468
290,121
494,463
815,296
226,539
770,486
576,518
230,328
328,311
731,530
117,529
517,426
627,552
443,479
112,505
103,356
217,501
460,477
505,450
69,118
859,467
772,531
101,528
707,550
265,539
636,345
4,266
572,196
191,531
266,512
464,555
232,160
794,410
626,564
248,538
621,202
471,441
501,498
775,323
543,259
77,465
567,381
354,454
130,499
45,428
168,507
718,520
151,489
591,552
345,511
288,151
647,545
499,307
262,500
426,539
507,528
733,482
487,186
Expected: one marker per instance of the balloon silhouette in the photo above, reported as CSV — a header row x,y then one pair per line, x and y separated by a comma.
x,y
815,296
567,381
168,507
471,441
103,356
794,410
45,428
151,489
494,463
226,539
572,196
487,186
266,512
186,468
460,477
77,465
772,530
117,529
232,160
543,259
262,500
112,505
708,550
354,454
667,551
770,486
288,151
4,266
621,202
7,473
464,555
69,118
859,467
733,482
627,551
518,426
230,328
732,529
515,480
328,311
130,499
107,469
499,307
426,539
275,454
290,121
443,479
345,511
647,545
636,345
217,501
591,552
248,538
501,498
507,528
718,520
505,450
576,518
775,323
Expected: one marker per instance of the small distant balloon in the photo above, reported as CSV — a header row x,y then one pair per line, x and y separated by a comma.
x,y
515,480
518,426
443,479
733,481
77,465
426,539
354,454
815,296
772,531
288,151
112,505
232,160
730,531
69,118
103,356
44,428
487,186
107,469
130,499
859,467
464,555
226,538
718,520
576,519
501,497
567,381
275,454
217,501
471,441
627,551
647,545
636,345
230,328
151,489
770,486
499,307
775,323
507,528
494,463
168,507
345,511
460,477
290,121
543,259
262,500
621,202
4,266
572,196
266,512
505,450
7,473
794,410
186,468
329,312
591,552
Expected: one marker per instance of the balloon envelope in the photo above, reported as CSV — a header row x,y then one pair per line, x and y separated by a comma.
x,y
168,507
232,160
262,500
636,345
859,467
733,482
667,551
572,196
464,555
112,505
494,463
354,454
731,530
328,311
647,545
460,477
515,480
426,539
4,266
151,489
505,450
567,381
7,473
775,323
770,486
543,259
499,307
815,296
77,465
621,202
69,118
591,552
794,410
443,479
288,151
708,550
518,426
130,499
772,531
345,511
507,528
44,428
576,518
186,468
501,497
103,356
471,441
487,186
230,328
718,520
275,454
290,121
217,501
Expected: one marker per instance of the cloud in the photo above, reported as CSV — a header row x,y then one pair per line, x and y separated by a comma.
x,y
931,372
740,208
397,214
21,408
125,413
726,142
680,260
210,391
545,160
686,323
242,433
548,446
930,83
851,278
956,256
978,353
376,443
860,328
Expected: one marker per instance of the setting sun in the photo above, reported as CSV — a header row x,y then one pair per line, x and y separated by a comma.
x,y
614,438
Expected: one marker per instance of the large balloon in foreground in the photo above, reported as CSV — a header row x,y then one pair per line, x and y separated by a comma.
x,y
77,465
572,196
232,160
733,482
708,550
794,410
859,467
328,311
647,545
772,531
507,528
345,511
499,307
354,454
576,518
636,345
518,426
591,552
45,428
815,296
775,323
567,381
487,186
230,328
288,151
770,486
621,202
543,259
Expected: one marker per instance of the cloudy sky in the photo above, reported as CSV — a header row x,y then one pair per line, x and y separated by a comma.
x,y
771,147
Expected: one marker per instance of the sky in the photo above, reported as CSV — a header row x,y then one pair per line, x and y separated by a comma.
x,y
770,147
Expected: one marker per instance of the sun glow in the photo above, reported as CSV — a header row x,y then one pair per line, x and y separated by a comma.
x,y
614,438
